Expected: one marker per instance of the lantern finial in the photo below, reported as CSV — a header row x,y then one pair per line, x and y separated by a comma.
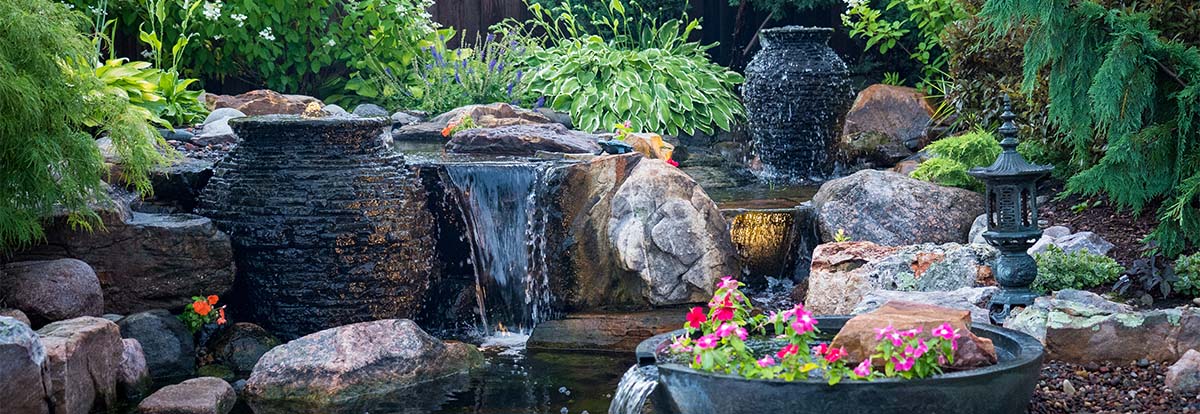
x,y
1009,130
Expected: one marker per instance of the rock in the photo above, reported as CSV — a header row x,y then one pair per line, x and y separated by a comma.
x,y
556,116
886,124
178,186
334,110
1068,388
638,233
22,358
370,111
217,371
114,317
83,358
603,332
216,132
522,140
133,376
144,261
222,113
842,274
420,131
858,335
15,314
1183,377
974,300
51,290
978,227
892,209
404,118
261,102
181,135
1083,241
240,346
650,145
491,116
166,342
1081,327
204,395
357,360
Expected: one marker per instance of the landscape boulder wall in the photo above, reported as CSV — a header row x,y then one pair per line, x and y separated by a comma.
x,y
22,359
891,209
323,370
843,274
638,233
1079,326
144,261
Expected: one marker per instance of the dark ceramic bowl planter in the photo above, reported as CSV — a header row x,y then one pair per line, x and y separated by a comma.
x,y
1004,388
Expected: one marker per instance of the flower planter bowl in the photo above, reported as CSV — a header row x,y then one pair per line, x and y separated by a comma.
x,y
1005,387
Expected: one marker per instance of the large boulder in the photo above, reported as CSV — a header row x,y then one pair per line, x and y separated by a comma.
x,y
886,124
341,364
843,274
523,140
1080,326
240,346
133,376
261,102
16,314
22,358
83,357
368,110
216,129
603,331
144,261
492,116
892,209
51,290
858,334
638,233
1184,375
974,300
204,395
166,343
1058,236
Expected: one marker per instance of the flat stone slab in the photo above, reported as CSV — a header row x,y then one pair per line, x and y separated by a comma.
x,y
604,332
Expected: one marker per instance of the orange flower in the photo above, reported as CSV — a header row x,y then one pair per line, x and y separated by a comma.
x,y
449,128
221,318
201,308
212,299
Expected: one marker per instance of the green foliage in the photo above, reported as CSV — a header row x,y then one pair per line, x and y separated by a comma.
x,y
48,158
954,156
648,73
313,47
660,10
1126,100
1058,270
778,8
892,78
1187,270
926,19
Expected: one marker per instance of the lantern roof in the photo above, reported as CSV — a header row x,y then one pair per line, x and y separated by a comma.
x,y
1010,164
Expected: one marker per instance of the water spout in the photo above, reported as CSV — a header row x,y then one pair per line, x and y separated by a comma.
x,y
635,387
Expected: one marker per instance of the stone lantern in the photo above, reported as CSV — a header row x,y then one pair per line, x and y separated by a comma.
x,y
1012,218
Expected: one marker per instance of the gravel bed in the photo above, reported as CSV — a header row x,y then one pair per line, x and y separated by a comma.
x,y
1107,388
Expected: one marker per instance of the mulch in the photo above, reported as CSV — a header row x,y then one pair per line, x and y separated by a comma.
x,y
1119,226
1107,388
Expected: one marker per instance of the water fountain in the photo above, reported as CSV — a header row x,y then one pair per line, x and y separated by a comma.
x,y
797,93
328,225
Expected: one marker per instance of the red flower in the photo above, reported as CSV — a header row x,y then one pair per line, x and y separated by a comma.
x,y
723,314
448,129
673,163
221,318
789,349
201,308
696,317
212,299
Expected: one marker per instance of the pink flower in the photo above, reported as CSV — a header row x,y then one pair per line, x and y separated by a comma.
x,y
728,282
948,333
864,368
904,365
835,354
726,329
723,314
766,361
821,349
628,124
708,341
789,349
882,332
911,333
741,333
696,317
680,345
920,349
804,322
897,340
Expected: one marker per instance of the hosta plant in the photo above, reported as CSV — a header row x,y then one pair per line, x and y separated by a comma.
x,y
730,338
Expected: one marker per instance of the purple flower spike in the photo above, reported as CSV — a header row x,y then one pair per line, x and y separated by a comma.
x,y
541,101
492,65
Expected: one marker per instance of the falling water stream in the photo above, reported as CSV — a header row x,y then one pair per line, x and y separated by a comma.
x,y
633,390
506,228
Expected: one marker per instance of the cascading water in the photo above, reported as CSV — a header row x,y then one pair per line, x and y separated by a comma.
x,y
506,226
634,389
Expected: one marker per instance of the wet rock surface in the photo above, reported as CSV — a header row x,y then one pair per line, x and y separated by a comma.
x,y
886,124
51,290
204,395
133,376
261,102
166,344
329,226
604,332
240,346
334,366
523,140
83,356
22,357
843,274
858,335
892,209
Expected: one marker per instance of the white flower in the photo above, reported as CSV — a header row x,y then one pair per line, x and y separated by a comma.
x,y
331,43
240,18
266,34
212,10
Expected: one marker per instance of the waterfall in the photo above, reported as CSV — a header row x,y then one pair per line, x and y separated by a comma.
x,y
635,387
506,226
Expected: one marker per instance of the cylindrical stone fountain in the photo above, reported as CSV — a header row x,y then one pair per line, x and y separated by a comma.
x,y
329,226
797,92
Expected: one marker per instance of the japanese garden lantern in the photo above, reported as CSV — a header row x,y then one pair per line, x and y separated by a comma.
x,y
1012,218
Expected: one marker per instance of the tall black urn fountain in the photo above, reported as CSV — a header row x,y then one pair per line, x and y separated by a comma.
x,y
797,92
329,226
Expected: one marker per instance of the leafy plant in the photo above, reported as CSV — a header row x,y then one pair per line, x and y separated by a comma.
x,y
1126,100
841,236
927,19
1058,270
1187,273
53,103
202,311
1147,275
954,156
892,78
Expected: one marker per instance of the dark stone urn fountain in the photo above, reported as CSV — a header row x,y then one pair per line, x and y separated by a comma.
x,y
329,226
797,92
